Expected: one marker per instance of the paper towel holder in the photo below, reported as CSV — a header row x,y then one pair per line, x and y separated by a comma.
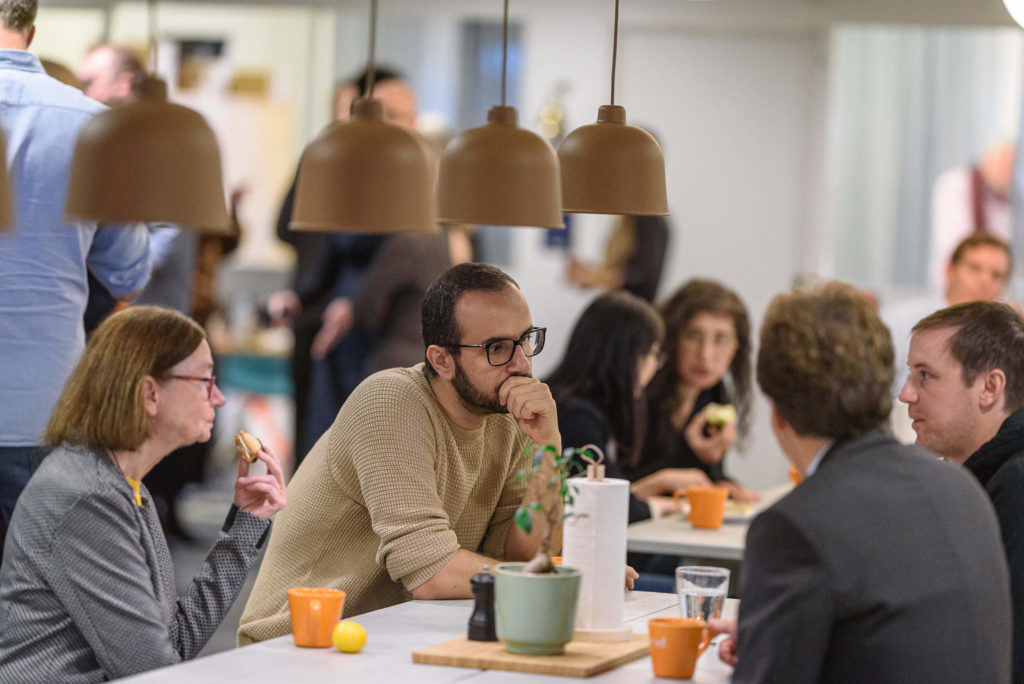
x,y
595,468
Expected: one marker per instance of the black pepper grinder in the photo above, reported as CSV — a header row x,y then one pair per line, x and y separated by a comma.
x,y
481,622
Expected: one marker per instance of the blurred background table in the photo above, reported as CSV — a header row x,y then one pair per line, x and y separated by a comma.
x,y
673,535
394,633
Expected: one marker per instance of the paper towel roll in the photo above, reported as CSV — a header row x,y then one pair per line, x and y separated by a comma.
x,y
594,542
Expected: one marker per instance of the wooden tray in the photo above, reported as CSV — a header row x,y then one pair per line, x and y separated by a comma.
x,y
581,658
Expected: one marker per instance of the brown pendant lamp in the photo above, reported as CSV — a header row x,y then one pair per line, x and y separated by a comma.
x,y
610,167
366,175
6,198
150,161
498,173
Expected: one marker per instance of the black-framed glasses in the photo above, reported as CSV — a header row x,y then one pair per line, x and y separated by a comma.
x,y
500,352
209,382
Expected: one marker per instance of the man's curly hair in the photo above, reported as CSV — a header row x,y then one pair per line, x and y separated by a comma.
x,y
826,361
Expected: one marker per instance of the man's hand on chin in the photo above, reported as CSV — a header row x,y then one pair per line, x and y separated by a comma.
x,y
529,401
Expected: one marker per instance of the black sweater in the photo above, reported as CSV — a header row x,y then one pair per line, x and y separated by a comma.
x,y
581,423
999,467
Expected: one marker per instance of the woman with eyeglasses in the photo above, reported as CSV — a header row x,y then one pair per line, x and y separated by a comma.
x,y
708,343
613,352
87,588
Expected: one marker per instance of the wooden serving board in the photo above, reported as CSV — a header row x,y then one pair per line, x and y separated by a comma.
x,y
581,658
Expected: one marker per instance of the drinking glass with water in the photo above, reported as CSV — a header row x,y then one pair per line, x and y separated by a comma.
x,y
702,590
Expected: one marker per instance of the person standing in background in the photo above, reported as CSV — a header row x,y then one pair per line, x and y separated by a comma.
x,y
107,74
329,358
390,296
44,261
967,200
633,260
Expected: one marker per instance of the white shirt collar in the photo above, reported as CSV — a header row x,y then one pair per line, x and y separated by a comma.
x,y
817,459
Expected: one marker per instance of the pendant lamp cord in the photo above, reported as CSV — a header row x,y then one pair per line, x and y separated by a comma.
x,y
152,36
615,49
504,51
371,68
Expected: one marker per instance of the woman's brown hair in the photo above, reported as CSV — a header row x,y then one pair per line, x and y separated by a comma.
x,y
101,404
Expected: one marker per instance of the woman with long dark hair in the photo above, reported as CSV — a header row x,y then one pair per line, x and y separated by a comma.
x,y
613,352
708,344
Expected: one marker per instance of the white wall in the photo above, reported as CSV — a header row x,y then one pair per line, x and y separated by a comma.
x,y
741,118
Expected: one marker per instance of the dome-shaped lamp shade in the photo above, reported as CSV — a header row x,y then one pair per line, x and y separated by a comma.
x,y
148,160
1016,10
365,176
610,167
6,200
500,174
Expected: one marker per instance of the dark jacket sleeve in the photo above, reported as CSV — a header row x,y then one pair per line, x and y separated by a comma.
x,y
1006,489
580,424
644,266
786,612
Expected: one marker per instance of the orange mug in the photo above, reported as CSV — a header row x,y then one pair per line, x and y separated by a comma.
x,y
707,505
314,614
795,475
676,643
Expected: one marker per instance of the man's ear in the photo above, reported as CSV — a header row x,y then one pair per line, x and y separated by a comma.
x,y
30,35
442,360
778,422
993,388
150,395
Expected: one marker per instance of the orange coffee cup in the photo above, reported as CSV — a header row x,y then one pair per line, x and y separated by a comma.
x,y
314,614
676,643
707,505
795,475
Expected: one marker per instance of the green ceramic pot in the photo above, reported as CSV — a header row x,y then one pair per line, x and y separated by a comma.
x,y
535,614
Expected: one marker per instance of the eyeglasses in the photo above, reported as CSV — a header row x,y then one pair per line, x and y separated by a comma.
x,y
500,352
697,339
209,382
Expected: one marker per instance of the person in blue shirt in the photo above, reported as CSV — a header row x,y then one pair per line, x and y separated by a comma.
x,y
45,259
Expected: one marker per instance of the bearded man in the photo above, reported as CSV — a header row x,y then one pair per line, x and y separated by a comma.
x,y
420,469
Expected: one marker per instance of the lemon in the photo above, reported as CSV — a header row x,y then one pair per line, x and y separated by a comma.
x,y
349,637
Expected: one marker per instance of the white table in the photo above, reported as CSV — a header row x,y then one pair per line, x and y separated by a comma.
x,y
394,633
673,534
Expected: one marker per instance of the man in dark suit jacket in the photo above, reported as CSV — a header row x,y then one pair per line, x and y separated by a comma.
x,y
965,393
885,564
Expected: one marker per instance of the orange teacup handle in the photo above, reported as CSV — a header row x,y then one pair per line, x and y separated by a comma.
x,y
676,496
705,641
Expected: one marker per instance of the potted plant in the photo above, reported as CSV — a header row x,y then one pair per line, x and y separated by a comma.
x,y
535,602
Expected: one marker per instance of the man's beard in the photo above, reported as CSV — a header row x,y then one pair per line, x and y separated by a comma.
x,y
472,398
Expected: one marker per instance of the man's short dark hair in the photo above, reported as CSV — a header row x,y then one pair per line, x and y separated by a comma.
x,y
361,81
18,15
826,361
438,312
981,240
988,335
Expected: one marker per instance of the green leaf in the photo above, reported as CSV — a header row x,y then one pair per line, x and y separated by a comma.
x,y
535,506
524,520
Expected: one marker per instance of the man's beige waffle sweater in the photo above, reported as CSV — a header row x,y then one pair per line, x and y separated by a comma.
x,y
384,500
